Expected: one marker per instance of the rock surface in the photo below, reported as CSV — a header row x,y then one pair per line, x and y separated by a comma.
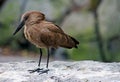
x,y
78,71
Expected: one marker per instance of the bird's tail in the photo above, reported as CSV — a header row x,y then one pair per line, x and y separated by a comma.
x,y
70,42
75,42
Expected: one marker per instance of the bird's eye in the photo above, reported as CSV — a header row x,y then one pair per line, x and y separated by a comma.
x,y
26,17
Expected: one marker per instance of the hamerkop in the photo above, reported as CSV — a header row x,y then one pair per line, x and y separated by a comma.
x,y
44,34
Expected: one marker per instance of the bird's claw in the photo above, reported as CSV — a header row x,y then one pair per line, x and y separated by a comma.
x,y
44,71
39,70
35,70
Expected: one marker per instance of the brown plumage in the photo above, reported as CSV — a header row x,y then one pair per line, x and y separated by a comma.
x,y
44,34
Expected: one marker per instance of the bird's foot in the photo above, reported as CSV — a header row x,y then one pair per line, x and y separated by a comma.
x,y
44,71
36,70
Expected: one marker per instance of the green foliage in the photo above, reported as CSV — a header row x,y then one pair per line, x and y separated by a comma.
x,y
86,50
94,4
57,3
59,6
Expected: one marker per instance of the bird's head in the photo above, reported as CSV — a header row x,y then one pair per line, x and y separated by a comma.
x,y
29,17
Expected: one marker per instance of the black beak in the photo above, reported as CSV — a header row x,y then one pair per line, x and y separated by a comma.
x,y
22,23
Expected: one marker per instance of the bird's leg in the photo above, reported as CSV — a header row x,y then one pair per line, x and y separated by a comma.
x,y
40,57
48,58
46,70
38,69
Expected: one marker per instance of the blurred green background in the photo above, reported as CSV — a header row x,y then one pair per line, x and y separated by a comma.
x,y
94,23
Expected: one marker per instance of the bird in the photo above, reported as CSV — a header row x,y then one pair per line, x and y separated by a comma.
x,y
44,34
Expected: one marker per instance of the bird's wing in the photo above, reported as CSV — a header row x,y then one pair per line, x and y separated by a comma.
x,y
51,34
55,28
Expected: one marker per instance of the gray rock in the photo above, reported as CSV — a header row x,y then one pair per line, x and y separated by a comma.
x,y
77,71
